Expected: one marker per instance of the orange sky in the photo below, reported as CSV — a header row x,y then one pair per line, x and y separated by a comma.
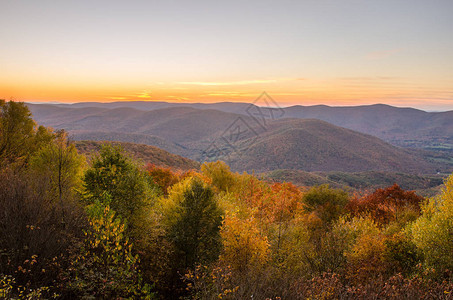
x,y
286,91
308,52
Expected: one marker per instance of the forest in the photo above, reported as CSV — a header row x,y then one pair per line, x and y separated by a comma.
x,y
111,227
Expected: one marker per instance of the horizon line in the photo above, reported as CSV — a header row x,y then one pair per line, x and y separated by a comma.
x,y
232,102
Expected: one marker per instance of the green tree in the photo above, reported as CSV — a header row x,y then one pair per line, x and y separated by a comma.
x,y
326,203
59,164
194,224
19,134
116,179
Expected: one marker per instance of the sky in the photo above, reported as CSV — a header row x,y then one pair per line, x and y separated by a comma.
x,y
307,52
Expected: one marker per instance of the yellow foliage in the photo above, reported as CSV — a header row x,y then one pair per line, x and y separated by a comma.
x,y
432,232
244,246
220,175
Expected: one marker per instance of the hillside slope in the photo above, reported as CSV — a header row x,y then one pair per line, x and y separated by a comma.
x,y
145,153
407,127
399,126
314,145
310,145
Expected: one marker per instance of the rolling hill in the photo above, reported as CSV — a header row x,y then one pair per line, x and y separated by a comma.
x,y
314,145
244,142
406,127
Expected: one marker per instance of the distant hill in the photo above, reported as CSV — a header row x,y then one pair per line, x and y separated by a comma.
x,y
233,107
182,130
245,143
314,145
144,153
406,127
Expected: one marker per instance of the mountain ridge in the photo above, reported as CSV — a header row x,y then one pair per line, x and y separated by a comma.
x,y
290,143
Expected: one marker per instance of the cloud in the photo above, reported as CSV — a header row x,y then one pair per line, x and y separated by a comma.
x,y
242,82
117,98
178,98
382,54
144,95
368,78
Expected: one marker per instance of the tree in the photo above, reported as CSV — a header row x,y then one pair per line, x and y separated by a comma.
x,y
104,266
19,134
364,247
432,233
60,165
220,175
244,246
120,183
32,241
387,205
162,177
326,203
193,224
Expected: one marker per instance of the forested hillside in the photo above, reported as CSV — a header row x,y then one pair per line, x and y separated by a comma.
x,y
143,153
109,227
246,143
407,127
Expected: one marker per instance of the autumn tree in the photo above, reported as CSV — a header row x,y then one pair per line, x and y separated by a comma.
x,y
193,224
104,265
365,253
162,177
325,203
386,205
219,173
432,233
116,180
19,134
59,164
244,246
275,208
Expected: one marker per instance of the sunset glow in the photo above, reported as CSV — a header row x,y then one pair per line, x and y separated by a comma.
x,y
306,52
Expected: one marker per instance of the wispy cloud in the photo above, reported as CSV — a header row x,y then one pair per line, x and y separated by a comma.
x,y
382,54
178,98
117,98
369,78
241,82
144,94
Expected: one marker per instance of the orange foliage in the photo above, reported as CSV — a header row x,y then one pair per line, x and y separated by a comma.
x,y
163,177
384,204
166,177
250,190
281,203
277,203
193,173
